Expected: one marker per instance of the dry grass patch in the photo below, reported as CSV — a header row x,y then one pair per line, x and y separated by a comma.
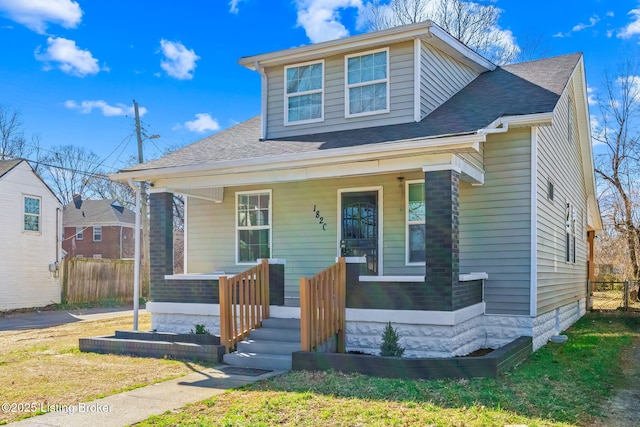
x,y
44,366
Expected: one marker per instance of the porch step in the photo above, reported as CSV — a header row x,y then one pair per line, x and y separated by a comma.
x,y
275,334
269,347
273,362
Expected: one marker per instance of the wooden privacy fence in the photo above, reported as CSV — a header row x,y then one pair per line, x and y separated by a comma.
x,y
244,303
95,280
323,307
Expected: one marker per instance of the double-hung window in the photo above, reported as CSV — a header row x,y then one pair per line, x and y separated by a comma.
x,y
79,233
97,234
367,83
415,232
253,223
31,213
304,93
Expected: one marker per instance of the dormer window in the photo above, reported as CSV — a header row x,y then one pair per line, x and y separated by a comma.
x,y
367,83
304,93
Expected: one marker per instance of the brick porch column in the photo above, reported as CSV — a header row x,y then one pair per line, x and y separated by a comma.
x,y
160,241
442,238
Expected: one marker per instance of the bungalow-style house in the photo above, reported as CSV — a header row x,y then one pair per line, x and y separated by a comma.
x,y
461,193
31,218
98,229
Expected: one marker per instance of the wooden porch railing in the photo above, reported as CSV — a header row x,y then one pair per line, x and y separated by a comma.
x,y
323,307
244,303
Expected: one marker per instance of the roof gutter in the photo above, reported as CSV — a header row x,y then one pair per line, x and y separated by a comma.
x,y
308,158
264,81
501,124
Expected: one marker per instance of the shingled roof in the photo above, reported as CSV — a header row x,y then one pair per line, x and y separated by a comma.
x,y
96,212
513,90
7,165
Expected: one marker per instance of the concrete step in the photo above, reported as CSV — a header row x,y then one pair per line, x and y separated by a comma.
x,y
276,362
281,323
270,347
272,334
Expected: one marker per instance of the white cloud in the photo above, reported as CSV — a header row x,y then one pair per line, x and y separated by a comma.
x,y
560,35
37,14
86,107
69,58
610,14
581,26
631,86
633,28
179,61
202,123
591,97
233,5
321,18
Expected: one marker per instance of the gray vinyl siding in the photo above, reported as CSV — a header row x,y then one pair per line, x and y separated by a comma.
x,y
495,223
400,97
441,78
297,236
560,282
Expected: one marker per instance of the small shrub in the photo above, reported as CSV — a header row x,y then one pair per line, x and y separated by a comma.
x,y
201,330
390,346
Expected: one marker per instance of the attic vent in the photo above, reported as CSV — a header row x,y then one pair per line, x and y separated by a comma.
x,y
117,206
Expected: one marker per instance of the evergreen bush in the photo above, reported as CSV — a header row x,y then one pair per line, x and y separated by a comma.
x,y
390,346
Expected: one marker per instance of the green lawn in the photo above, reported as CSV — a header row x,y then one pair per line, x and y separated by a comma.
x,y
560,384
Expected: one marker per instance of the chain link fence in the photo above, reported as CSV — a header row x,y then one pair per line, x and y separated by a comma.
x,y
606,296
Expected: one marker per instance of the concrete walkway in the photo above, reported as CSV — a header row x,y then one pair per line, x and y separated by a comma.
x,y
45,319
137,405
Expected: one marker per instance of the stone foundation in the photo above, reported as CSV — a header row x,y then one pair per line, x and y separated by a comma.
x,y
422,334
182,318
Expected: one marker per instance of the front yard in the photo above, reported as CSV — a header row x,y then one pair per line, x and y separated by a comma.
x,y
559,385
43,367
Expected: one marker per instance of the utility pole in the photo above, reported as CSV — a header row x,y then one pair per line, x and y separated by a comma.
x,y
143,191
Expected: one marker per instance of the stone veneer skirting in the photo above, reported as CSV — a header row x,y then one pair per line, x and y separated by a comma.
x,y
423,334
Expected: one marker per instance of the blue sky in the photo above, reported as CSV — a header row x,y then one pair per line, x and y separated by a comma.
x,y
73,67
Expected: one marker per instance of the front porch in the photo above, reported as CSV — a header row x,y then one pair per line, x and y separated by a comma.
x,y
403,238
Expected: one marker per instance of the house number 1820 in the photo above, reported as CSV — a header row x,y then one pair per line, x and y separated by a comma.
x,y
319,217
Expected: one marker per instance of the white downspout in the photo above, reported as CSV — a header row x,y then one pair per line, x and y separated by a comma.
x,y
263,105
136,262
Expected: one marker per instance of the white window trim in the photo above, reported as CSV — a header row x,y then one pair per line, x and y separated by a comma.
x,y
262,227
407,262
571,230
94,233
24,213
380,191
307,92
81,234
348,86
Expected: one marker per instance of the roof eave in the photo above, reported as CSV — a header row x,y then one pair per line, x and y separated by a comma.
x,y
427,31
269,162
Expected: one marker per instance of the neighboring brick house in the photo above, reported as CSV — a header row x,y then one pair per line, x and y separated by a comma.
x,y
98,229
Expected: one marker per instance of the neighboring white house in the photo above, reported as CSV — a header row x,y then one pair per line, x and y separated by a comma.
x,y
31,218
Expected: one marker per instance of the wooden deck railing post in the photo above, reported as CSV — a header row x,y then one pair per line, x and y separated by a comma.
x,y
323,307
265,289
305,315
225,321
244,303
341,297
